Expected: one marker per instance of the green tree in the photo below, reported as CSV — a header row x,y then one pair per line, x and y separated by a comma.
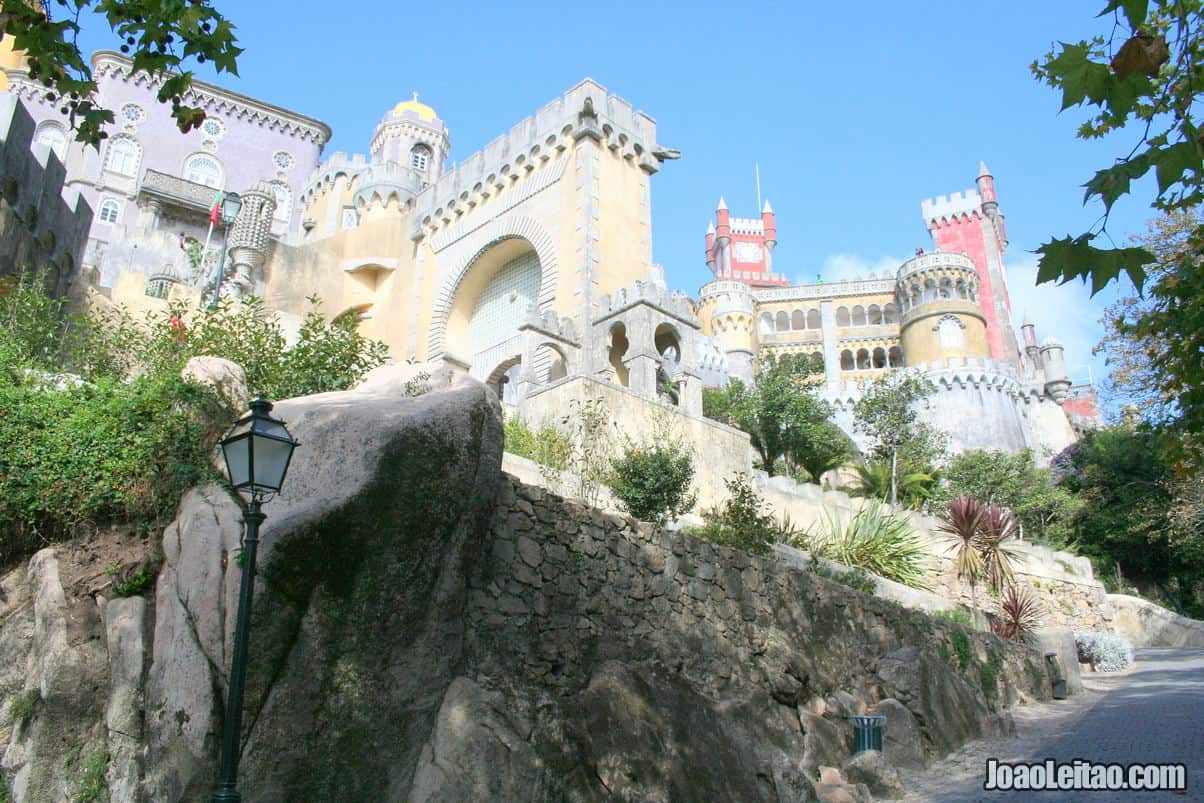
x,y
873,481
782,416
1143,81
161,36
1012,481
887,414
1126,481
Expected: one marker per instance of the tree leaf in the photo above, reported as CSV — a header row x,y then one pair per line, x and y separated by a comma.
x,y
1135,10
1075,258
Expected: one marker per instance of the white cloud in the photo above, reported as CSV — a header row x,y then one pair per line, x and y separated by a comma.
x,y
1065,311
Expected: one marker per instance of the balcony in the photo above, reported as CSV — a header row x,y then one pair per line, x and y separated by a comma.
x,y
177,192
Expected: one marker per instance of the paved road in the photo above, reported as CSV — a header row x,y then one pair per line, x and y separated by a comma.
x,y
1154,715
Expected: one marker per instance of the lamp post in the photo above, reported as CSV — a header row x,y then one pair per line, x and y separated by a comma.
x,y
230,205
257,453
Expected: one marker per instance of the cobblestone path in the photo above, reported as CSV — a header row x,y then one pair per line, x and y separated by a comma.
x,y
1153,714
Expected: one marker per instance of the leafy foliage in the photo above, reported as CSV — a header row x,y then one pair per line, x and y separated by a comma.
x,y
875,541
857,579
1019,615
1014,482
588,426
743,520
873,481
981,536
1132,515
887,414
783,417
653,482
544,444
160,37
959,616
21,706
133,583
1106,651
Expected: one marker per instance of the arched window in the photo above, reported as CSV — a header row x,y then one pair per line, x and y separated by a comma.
x,y
124,156
766,323
783,322
420,157
203,169
52,135
890,314
817,362
929,290
109,211
950,334
813,320
284,201
895,357
961,290
873,316
798,320
879,357
859,315
863,359
946,289
842,316
846,360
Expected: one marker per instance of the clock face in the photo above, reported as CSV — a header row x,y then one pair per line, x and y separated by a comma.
x,y
747,252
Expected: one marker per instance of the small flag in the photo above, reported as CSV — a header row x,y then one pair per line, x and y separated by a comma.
x,y
217,202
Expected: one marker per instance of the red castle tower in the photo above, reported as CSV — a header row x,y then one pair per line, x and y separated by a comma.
x,y
970,223
742,248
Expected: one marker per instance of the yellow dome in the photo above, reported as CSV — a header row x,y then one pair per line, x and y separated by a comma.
x,y
423,111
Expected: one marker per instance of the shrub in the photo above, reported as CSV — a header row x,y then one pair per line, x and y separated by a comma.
x,y
1106,651
1018,616
546,445
654,483
743,520
132,583
102,452
878,542
959,616
22,706
856,579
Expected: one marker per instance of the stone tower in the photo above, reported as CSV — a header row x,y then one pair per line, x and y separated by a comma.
x,y
728,311
742,248
970,223
412,135
940,309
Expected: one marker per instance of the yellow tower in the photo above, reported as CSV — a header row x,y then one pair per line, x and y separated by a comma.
x,y
941,318
727,311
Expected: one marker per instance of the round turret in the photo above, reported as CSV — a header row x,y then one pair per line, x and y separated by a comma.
x,y
940,315
727,311
412,135
1057,379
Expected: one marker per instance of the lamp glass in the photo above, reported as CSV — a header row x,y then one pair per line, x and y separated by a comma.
x,y
238,460
231,204
258,450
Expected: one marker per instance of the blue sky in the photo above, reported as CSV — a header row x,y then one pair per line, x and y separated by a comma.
x,y
854,111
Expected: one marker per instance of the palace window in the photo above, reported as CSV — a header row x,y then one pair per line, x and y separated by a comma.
x,y
109,212
202,169
53,136
284,202
420,157
124,156
350,218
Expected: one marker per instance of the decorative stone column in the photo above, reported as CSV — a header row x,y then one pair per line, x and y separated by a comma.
x,y
249,237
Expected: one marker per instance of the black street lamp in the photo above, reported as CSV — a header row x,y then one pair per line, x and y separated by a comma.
x,y
257,452
230,206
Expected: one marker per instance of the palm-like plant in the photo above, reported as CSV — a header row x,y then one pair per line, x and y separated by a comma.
x,y
963,519
873,482
998,525
1019,615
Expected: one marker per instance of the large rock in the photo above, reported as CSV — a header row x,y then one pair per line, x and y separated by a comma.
x,y
1146,624
1060,642
357,624
901,738
226,377
125,623
872,769
947,709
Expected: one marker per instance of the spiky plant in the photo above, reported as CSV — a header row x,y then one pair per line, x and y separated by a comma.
x,y
963,519
873,482
998,526
1018,616
878,542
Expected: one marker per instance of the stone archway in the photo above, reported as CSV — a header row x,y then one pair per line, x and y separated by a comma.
x,y
472,256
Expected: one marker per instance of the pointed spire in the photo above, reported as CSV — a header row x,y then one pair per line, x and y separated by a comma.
x,y
1027,320
722,205
711,227
767,209
983,170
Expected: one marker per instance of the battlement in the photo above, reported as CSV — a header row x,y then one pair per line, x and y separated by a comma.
x,y
854,287
381,182
586,110
747,225
940,260
322,176
751,275
723,287
953,205
674,303
548,323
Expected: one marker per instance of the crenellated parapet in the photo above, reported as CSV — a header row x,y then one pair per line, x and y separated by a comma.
x,y
548,323
586,110
385,182
854,287
940,278
673,303
324,175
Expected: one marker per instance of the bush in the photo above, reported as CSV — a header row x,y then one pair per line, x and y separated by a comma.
x,y
856,579
653,483
1106,651
880,543
546,445
97,453
743,520
22,706
959,616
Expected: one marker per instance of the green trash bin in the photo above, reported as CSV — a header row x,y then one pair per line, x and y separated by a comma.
x,y
867,732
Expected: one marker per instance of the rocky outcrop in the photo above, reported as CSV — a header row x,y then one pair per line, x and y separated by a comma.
x,y
427,628
1146,624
